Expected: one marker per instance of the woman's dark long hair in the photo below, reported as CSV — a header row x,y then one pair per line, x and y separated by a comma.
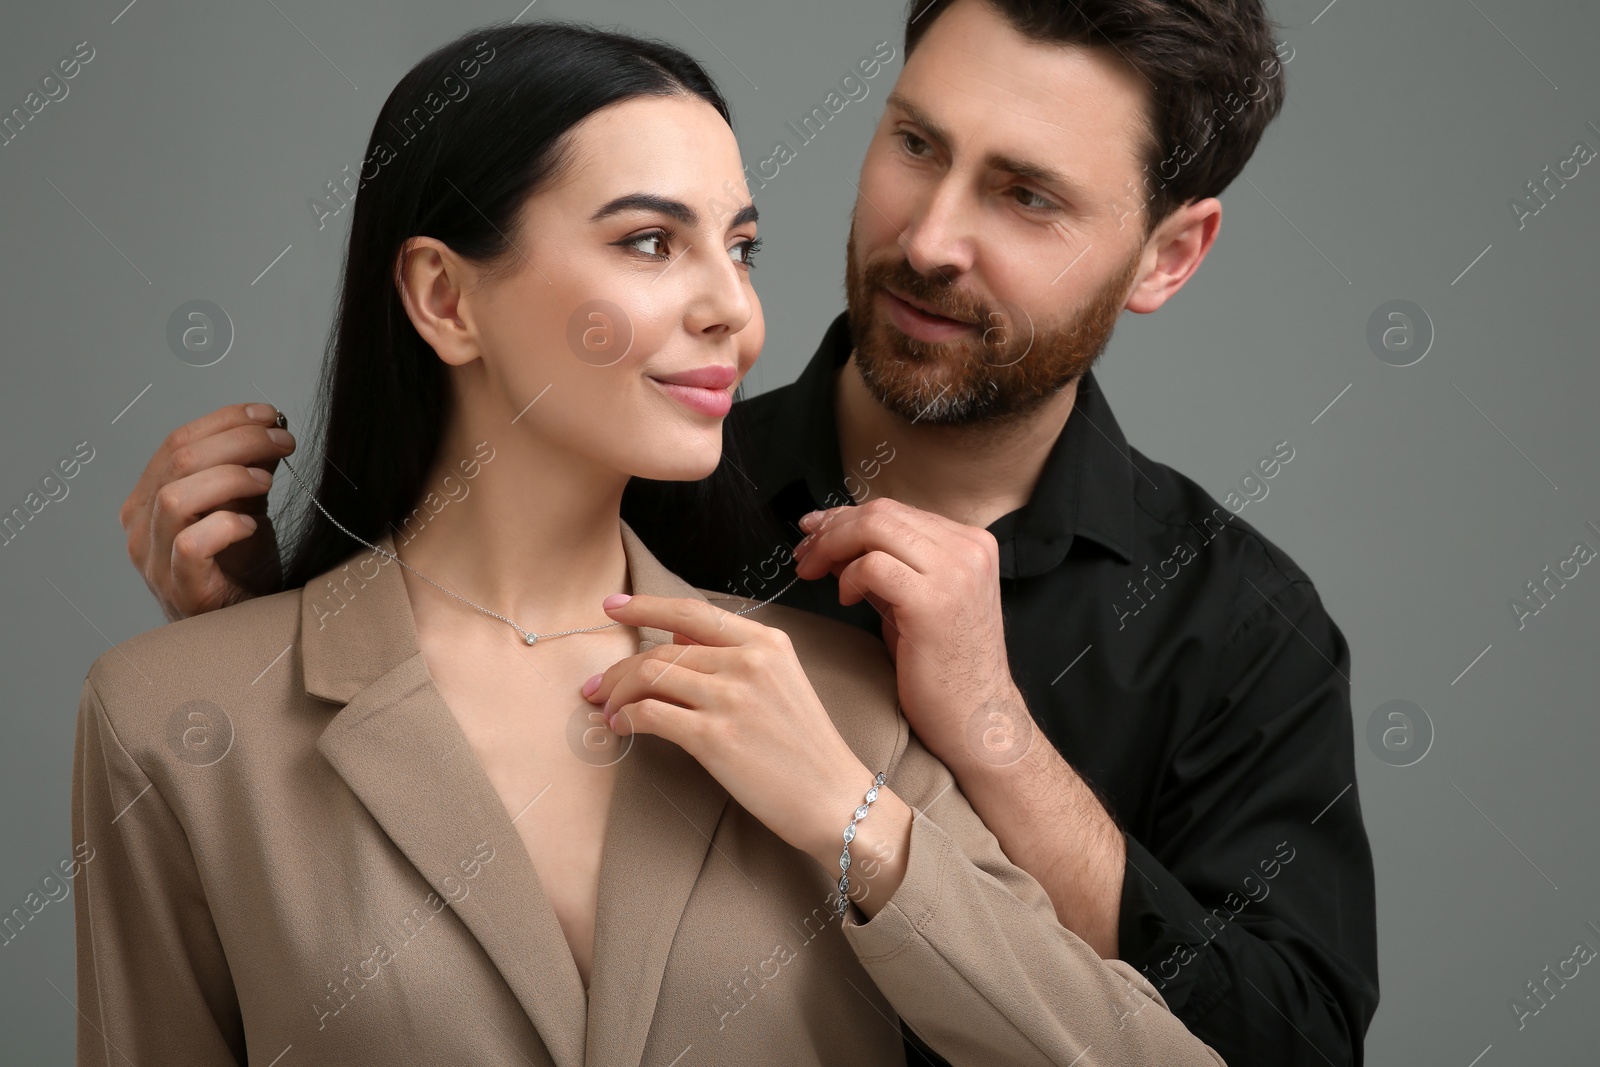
x,y
464,139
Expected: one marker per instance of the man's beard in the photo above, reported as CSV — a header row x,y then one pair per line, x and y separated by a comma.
x,y
1011,367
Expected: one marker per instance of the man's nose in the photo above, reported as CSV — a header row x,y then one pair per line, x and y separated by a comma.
x,y
938,238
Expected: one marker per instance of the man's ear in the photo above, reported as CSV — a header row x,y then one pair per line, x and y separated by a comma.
x,y
433,283
1174,251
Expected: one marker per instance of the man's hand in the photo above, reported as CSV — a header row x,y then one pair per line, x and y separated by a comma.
x,y
197,520
937,584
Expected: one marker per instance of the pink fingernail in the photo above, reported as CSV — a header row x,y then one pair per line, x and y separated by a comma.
x,y
591,685
615,600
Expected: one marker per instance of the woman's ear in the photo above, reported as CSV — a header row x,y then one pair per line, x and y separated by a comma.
x,y
433,282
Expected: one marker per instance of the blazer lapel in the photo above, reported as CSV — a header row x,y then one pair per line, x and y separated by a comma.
x,y
664,811
400,750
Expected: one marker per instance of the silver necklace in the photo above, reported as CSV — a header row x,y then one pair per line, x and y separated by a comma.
x,y
528,636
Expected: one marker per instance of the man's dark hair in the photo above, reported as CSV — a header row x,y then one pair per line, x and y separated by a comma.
x,y
1216,79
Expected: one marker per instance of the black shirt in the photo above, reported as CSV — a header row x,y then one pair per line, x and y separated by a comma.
x,y
1186,668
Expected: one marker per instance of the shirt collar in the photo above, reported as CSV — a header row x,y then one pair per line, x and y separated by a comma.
x,y
1085,488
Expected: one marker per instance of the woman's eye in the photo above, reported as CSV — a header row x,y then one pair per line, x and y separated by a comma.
x,y
650,244
745,251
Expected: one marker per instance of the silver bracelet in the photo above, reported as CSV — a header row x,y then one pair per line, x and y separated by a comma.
x,y
849,836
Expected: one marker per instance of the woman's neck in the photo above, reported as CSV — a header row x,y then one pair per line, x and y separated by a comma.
x,y
533,536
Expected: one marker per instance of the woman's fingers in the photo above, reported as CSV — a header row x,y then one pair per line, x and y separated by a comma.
x,y
698,620
678,674
652,716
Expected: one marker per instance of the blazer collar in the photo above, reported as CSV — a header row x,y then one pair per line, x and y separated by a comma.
x,y
400,750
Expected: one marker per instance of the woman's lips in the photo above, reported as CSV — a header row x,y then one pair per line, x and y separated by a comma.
x,y
920,325
713,402
703,389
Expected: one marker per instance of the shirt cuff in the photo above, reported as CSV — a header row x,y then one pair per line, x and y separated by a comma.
x,y
1161,931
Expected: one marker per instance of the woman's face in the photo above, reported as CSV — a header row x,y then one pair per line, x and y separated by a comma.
x,y
628,315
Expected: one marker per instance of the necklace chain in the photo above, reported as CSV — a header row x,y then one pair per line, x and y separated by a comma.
x,y
528,636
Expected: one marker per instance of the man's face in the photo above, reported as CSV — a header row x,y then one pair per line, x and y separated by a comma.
x,y
994,241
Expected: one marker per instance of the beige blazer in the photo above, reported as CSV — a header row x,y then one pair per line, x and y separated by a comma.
x,y
295,858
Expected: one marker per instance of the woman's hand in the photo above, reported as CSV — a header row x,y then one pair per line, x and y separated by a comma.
x,y
731,692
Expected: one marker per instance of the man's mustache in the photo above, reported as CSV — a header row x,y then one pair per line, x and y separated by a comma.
x,y
1007,329
939,296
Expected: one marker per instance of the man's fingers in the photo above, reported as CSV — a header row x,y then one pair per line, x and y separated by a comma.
x,y
157,471
179,504
226,436
227,417
880,578
855,531
248,445
196,583
822,517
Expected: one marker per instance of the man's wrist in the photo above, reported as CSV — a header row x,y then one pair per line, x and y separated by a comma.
x,y
998,742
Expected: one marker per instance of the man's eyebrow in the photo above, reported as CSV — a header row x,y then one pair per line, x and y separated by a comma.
x,y
1022,168
1040,173
676,209
915,114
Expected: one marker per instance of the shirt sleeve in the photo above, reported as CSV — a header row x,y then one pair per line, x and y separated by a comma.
x,y
971,955
1250,903
153,983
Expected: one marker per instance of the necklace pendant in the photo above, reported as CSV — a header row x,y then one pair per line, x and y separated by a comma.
x,y
530,638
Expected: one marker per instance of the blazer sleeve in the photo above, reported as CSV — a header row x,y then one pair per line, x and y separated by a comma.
x,y
970,952
153,981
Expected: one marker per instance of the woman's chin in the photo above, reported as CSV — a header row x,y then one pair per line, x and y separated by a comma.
x,y
679,468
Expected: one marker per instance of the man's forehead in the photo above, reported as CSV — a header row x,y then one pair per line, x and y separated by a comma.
x,y
979,77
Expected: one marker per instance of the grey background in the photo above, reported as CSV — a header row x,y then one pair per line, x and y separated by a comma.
x,y
1425,497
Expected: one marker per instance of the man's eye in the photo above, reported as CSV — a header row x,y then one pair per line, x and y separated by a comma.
x,y
1030,199
912,142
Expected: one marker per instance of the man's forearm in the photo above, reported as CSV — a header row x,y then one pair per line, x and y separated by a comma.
x,y
1050,823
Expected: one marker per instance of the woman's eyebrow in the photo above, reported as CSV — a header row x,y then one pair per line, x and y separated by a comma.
x,y
676,209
